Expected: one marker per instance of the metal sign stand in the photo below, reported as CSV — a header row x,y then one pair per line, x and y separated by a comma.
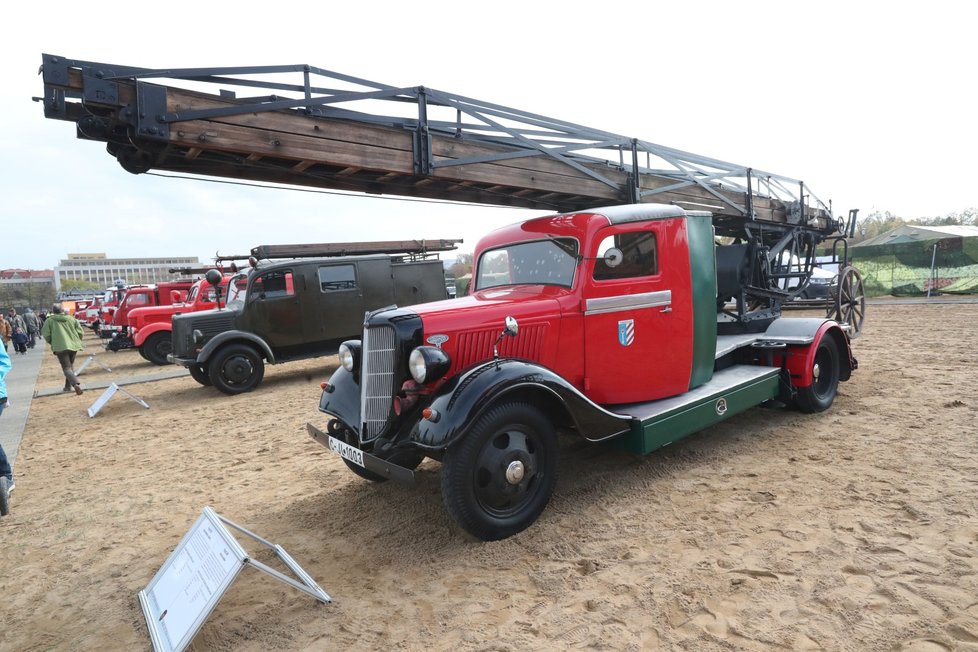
x,y
196,575
89,360
107,394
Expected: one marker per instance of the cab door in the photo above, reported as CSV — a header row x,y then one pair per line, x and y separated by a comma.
x,y
273,310
637,313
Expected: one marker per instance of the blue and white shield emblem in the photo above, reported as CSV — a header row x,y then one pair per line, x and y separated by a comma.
x,y
626,332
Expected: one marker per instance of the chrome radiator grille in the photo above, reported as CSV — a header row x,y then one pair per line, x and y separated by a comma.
x,y
377,379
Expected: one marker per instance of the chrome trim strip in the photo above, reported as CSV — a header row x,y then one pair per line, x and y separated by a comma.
x,y
602,305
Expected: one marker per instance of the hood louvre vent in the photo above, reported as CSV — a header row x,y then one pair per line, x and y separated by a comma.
x,y
476,346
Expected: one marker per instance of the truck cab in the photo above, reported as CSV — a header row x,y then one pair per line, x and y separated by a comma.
x,y
294,309
602,323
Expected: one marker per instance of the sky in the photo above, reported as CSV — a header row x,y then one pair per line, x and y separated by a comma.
x,y
870,103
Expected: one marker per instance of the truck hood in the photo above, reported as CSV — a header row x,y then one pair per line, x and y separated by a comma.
x,y
467,327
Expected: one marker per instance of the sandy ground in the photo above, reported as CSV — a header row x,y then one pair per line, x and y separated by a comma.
x,y
855,529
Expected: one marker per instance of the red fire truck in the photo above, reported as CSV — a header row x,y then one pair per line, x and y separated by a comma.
x,y
116,327
638,322
150,328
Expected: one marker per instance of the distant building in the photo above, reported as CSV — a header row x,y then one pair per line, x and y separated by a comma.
x,y
20,288
98,268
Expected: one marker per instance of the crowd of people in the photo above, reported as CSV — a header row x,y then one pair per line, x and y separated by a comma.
x,y
63,333
21,330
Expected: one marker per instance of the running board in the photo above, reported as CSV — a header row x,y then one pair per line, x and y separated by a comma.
x,y
658,423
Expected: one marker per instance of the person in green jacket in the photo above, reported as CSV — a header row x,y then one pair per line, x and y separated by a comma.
x,y
64,334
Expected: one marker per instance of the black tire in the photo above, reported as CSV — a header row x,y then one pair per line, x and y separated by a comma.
x,y
142,353
499,478
199,373
235,369
4,496
156,347
818,396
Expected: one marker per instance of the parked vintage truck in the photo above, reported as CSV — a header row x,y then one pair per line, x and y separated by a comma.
x,y
150,329
643,340
602,323
296,309
116,328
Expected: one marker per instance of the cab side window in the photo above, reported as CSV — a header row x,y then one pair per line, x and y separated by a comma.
x,y
639,256
334,278
273,285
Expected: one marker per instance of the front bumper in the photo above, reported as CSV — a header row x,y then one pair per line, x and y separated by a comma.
x,y
370,462
183,362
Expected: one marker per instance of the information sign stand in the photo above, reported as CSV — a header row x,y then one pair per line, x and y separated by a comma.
x,y
107,394
89,360
196,575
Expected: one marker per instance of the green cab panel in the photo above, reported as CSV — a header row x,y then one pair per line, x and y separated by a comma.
x,y
703,285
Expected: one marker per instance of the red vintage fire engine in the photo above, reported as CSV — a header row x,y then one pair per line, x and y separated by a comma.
x,y
638,323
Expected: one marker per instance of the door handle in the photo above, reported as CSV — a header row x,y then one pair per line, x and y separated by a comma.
x,y
666,309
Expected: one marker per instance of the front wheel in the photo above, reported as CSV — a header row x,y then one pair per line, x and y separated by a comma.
x,y
825,379
156,347
498,479
199,373
236,368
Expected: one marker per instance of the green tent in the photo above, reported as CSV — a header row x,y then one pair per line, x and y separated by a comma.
x,y
912,260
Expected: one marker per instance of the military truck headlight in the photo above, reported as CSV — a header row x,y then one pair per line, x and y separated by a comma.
x,y
428,363
350,355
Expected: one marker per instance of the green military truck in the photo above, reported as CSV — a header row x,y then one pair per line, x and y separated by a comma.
x,y
301,302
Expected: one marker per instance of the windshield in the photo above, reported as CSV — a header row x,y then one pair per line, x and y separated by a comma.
x,y
237,285
193,294
546,262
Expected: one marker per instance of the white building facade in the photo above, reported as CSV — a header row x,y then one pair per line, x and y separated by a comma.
x,y
104,271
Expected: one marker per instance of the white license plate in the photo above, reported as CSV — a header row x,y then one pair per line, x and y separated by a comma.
x,y
346,451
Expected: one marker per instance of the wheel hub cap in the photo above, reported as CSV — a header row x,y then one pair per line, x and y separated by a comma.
x,y
515,472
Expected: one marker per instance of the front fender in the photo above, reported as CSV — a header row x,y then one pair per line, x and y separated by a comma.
x,y
463,399
148,330
341,398
234,336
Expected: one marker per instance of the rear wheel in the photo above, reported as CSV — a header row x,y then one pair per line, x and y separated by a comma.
x,y
236,368
156,347
199,373
825,379
498,479
848,305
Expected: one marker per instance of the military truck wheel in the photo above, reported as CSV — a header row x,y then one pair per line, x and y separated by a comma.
x,y
825,379
236,368
498,479
156,348
199,373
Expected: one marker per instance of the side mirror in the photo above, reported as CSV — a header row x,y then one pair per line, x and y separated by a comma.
x,y
512,327
613,257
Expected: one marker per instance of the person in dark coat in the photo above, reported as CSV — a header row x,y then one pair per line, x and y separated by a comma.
x,y
33,327
20,340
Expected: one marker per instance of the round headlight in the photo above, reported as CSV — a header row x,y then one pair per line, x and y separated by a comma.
x,y
427,364
349,354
